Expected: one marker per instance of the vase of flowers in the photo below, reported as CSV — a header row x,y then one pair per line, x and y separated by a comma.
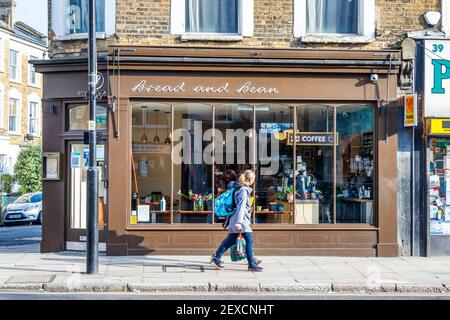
x,y
289,193
197,199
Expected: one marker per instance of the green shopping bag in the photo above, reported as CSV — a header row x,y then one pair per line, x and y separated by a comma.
x,y
237,250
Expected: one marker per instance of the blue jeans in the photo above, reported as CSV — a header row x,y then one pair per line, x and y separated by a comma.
x,y
230,240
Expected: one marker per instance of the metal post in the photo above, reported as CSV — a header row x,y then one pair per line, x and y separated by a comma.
x,y
92,191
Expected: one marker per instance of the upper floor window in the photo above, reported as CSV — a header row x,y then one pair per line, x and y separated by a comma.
x,y
332,16
77,16
212,19
13,120
33,78
33,118
13,65
350,21
70,18
220,16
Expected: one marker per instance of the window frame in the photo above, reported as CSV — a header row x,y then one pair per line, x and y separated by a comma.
x,y
334,105
32,69
2,107
245,23
58,22
366,25
13,96
70,106
34,98
17,74
2,55
445,16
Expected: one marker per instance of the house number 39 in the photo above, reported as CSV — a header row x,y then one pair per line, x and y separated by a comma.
x,y
438,48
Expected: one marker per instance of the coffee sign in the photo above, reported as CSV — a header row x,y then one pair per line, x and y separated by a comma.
x,y
311,138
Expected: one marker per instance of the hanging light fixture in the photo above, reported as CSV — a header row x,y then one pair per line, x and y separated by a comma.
x,y
144,138
168,140
156,138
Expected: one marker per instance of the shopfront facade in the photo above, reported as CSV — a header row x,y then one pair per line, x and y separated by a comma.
x,y
317,127
434,62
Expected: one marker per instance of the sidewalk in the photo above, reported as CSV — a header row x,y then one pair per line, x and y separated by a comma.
x,y
23,268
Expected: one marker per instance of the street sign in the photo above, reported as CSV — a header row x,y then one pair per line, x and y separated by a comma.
x,y
410,116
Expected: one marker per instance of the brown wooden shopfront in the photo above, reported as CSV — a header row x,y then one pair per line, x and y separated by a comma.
x,y
298,90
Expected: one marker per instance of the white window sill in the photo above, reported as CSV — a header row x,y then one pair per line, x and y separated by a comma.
x,y
225,37
14,133
15,81
34,85
337,38
80,36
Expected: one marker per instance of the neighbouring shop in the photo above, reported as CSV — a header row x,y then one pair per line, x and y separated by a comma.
x,y
321,138
436,92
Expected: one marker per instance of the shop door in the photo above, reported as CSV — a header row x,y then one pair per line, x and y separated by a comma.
x,y
77,192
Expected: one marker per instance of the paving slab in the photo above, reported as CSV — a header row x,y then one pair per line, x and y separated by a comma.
x,y
25,279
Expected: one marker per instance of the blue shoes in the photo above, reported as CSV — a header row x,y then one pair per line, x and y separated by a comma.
x,y
216,263
255,268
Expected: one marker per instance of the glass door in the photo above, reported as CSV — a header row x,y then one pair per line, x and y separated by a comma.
x,y
78,166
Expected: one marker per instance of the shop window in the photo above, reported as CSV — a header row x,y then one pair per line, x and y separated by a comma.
x,y
355,164
151,163
274,186
314,164
79,116
338,20
70,18
192,167
220,18
234,144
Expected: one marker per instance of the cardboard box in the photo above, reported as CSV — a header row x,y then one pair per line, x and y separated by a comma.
x,y
306,212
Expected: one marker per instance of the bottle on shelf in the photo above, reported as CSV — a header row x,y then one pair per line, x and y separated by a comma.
x,y
162,204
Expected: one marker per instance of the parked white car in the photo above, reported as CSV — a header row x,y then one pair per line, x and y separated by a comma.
x,y
27,208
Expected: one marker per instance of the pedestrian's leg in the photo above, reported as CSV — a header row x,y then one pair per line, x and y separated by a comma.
x,y
225,245
249,248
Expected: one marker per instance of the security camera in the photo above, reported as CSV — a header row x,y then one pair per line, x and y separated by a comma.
x,y
432,18
374,77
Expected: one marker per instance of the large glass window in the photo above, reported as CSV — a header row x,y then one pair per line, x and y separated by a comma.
x,y
151,163
332,16
314,163
274,175
219,16
234,142
355,164
192,168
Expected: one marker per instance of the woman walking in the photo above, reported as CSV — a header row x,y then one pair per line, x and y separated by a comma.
x,y
239,223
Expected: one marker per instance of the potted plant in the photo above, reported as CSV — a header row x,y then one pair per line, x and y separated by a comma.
x,y
197,199
289,193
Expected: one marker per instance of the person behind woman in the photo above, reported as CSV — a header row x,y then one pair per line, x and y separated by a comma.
x,y
240,223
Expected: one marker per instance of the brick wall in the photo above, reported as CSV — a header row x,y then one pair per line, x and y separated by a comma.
x,y
147,22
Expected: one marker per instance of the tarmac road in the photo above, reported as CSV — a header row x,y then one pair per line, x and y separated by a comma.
x,y
20,235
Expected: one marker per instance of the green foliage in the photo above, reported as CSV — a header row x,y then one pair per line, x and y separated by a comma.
x,y
6,183
27,170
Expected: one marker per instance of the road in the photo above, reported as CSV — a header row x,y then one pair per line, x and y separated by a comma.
x,y
20,235
199,297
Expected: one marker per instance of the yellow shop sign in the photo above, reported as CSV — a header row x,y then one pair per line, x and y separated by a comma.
x,y
439,126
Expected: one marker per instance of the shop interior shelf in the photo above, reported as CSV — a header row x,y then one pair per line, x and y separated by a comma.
x,y
273,212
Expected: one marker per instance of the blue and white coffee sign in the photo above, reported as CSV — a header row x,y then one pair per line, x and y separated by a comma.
x,y
437,78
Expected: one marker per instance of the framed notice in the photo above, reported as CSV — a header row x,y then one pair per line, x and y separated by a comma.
x,y
50,166
143,213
